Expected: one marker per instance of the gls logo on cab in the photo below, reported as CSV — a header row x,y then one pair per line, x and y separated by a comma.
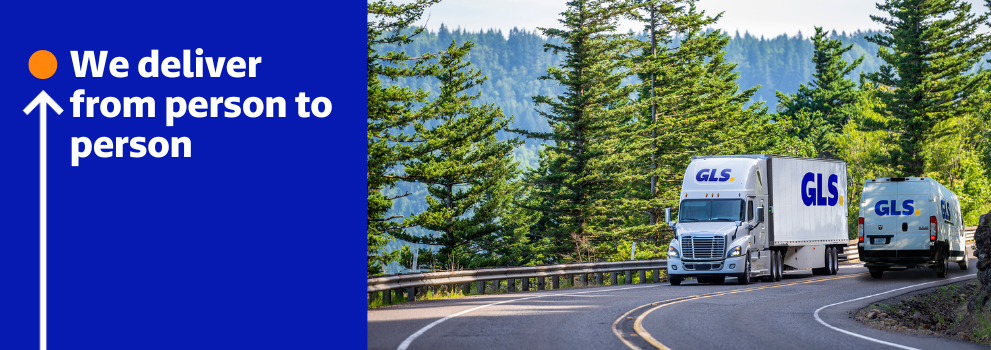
x,y
814,196
709,175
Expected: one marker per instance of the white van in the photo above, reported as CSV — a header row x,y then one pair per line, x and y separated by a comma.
x,y
910,222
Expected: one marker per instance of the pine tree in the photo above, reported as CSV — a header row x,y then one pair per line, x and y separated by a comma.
x,y
390,112
464,166
587,121
928,48
817,109
695,109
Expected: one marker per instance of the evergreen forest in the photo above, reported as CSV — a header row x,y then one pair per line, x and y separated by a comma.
x,y
566,144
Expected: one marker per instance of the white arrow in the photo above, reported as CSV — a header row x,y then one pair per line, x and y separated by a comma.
x,y
44,101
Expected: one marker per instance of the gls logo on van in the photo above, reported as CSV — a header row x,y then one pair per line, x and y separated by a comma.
x,y
709,175
882,208
944,208
814,196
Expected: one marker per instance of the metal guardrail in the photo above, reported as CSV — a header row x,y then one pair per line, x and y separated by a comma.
x,y
409,283
850,252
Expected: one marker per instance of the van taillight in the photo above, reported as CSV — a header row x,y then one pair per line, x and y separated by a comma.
x,y
860,227
932,228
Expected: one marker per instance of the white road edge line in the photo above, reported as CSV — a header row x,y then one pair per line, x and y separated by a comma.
x,y
871,296
405,344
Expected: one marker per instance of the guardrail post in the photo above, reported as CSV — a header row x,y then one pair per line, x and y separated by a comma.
x,y
556,282
540,283
525,284
629,276
386,297
480,287
466,288
410,294
657,276
598,278
584,279
612,278
643,276
511,285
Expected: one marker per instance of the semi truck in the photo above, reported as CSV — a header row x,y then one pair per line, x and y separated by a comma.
x,y
910,222
754,216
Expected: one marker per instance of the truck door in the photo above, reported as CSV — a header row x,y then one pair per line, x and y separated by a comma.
x,y
758,234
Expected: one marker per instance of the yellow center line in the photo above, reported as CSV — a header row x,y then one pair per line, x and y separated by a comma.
x,y
638,324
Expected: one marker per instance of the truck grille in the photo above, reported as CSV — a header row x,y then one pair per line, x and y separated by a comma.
x,y
703,247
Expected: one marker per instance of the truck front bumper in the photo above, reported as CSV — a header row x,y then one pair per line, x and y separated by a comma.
x,y
730,267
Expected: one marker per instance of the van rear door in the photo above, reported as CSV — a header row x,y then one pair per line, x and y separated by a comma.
x,y
910,211
879,225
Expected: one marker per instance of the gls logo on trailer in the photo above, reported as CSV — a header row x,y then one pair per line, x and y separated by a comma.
x,y
882,208
709,175
814,196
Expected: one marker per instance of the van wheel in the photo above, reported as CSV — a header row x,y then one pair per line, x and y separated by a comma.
x,y
942,265
675,281
779,256
963,264
745,279
875,272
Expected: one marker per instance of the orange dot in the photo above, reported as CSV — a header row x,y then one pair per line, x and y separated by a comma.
x,y
42,64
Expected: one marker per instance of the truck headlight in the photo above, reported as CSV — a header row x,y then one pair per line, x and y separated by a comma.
x,y
672,252
735,251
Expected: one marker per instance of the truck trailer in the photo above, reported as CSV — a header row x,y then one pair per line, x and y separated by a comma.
x,y
754,216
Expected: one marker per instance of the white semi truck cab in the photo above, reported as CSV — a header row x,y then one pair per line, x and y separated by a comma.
x,y
753,216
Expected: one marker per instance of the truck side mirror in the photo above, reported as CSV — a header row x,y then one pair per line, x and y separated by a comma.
x,y
738,223
672,223
667,214
760,214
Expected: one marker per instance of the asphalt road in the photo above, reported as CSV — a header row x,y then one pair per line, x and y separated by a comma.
x,y
780,315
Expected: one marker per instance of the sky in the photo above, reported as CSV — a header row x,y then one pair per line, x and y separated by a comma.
x,y
759,17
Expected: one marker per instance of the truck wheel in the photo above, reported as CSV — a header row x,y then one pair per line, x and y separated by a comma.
x,y
875,272
942,265
780,257
963,264
770,271
675,281
835,256
745,279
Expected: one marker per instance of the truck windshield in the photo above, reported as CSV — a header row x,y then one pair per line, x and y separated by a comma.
x,y
693,210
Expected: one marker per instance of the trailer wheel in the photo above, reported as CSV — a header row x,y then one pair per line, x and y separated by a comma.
x,y
875,272
779,256
675,281
963,264
835,257
745,279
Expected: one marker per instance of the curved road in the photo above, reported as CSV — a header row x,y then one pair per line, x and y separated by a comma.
x,y
648,316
